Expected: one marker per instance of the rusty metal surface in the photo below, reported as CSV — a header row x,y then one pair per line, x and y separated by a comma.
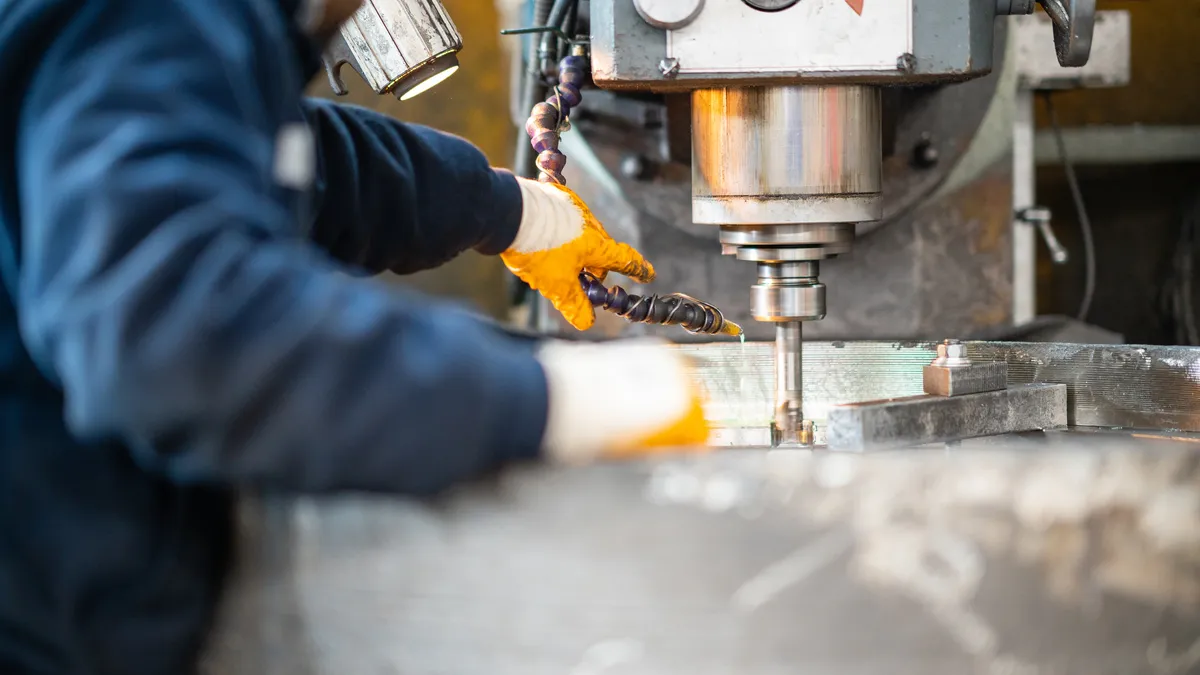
x,y
1131,386
1056,558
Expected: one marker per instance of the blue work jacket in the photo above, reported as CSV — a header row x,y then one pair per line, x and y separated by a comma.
x,y
184,247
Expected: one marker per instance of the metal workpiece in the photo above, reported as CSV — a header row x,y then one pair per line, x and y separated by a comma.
x,y
401,47
1109,386
786,155
953,373
789,383
919,420
960,380
787,292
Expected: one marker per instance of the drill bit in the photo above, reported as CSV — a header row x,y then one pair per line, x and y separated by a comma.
x,y
790,428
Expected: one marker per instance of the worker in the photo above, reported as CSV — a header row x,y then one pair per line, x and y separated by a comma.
x,y
183,242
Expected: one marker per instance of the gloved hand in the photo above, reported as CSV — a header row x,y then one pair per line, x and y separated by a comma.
x,y
619,400
559,238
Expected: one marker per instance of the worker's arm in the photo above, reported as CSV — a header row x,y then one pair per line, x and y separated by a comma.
x,y
402,197
167,288
169,291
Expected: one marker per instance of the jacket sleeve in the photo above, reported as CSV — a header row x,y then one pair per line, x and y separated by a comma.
x,y
179,306
403,197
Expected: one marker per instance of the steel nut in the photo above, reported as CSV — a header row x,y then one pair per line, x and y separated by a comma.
x,y
956,350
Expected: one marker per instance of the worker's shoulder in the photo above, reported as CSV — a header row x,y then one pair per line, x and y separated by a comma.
x,y
232,28
55,15
247,45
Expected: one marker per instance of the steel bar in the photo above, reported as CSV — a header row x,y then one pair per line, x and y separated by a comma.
x,y
918,420
969,379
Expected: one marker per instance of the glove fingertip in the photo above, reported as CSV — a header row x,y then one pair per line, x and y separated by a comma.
x,y
635,266
578,311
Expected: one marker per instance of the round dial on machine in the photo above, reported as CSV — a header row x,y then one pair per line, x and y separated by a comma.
x,y
770,5
668,14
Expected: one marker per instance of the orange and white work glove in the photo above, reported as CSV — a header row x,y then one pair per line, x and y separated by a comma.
x,y
558,238
619,400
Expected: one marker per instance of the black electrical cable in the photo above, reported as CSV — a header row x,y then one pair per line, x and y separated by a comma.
x,y
1085,223
519,98
547,50
531,89
544,55
1187,280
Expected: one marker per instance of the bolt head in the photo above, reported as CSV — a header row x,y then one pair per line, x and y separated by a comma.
x,y
956,351
669,67
925,154
636,167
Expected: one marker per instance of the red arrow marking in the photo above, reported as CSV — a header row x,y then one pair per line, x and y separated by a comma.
x,y
855,5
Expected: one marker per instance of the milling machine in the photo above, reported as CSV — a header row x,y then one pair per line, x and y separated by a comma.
x,y
784,100
784,109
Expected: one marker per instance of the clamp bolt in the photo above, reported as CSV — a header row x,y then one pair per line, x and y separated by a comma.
x,y
951,354
669,67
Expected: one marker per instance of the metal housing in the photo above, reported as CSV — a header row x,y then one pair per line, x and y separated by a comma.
x,y
628,53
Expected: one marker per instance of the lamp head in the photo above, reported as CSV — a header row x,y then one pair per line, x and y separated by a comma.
x,y
399,47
